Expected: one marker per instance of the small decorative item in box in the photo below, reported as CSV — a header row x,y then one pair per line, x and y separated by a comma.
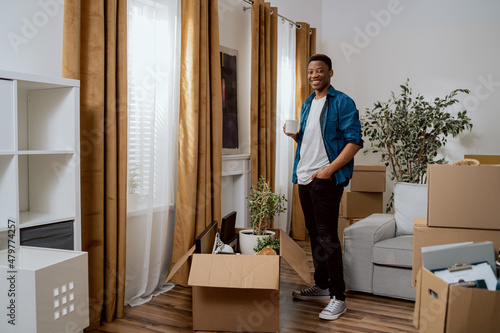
x,y
43,290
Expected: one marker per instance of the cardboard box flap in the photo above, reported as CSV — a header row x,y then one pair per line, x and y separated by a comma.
x,y
370,167
235,271
434,295
179,264
295,257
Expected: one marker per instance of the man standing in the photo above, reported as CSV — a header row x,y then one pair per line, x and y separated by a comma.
x,y
329,136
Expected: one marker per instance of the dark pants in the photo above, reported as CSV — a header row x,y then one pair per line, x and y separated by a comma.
x,y
320,201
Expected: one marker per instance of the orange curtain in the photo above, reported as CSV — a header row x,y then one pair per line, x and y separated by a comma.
x,y
306,47
94,52
198,200
263,91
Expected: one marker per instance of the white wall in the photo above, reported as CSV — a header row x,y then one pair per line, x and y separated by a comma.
x,y
234,33
31,36
439,45
303,11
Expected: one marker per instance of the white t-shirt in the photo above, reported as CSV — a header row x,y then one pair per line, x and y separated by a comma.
x,y
313,155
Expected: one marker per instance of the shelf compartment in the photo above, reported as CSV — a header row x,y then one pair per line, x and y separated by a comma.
x,y
29,219
7,118
47,188
46,119
8,191
55,236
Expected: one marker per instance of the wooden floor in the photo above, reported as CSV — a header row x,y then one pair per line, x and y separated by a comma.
x,y
171,312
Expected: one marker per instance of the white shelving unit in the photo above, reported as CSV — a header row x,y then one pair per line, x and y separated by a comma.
x,y
39,154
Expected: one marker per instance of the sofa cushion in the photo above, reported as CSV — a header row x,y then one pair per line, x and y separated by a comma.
x,y
410,201
393,282
396,252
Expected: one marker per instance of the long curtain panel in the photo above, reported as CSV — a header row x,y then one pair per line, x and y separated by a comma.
x,y
94,51
305,47
198,198
285,109
263,91
153,120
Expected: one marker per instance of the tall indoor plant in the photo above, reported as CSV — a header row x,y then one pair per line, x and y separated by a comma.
x,y
408,131
263,205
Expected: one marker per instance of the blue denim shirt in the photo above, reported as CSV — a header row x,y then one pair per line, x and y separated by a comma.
x,y
340,125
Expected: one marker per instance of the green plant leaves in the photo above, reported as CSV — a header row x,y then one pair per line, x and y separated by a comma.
x,y
267,241
264,205
407,131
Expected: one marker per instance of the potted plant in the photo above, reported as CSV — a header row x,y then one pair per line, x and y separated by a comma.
x,y
264,205
407,131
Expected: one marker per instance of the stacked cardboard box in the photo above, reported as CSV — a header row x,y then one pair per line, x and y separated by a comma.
x,y
365,196
463,205
366,193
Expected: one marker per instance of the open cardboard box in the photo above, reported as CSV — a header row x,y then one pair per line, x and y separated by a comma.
x,y
444,307
424,235
441,307
240,292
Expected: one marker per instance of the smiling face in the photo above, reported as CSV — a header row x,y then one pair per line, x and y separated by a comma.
x,y
319,77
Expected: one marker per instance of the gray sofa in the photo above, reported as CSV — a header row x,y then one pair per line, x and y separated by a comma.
x,y
378,250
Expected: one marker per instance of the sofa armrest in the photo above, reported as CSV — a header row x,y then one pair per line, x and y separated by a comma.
x,y
359,239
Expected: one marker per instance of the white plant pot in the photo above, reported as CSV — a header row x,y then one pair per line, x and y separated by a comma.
x,y
248,241
133,201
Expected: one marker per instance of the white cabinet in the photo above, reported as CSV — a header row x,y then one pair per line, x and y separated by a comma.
x,y
39,155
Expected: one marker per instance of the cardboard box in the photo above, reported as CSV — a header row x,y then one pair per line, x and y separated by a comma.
x,y
46,290
368,178
441,307
244,286
361,204
485,159
420,222
463,196
429,236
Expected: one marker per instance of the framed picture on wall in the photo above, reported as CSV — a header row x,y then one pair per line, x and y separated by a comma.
x,y
228,61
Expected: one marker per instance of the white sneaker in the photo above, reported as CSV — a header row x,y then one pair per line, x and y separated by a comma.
x,y
333,310
312,293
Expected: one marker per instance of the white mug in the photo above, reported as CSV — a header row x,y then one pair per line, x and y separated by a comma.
x,y
291,126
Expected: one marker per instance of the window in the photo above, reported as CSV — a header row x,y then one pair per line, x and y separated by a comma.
x,y
152,99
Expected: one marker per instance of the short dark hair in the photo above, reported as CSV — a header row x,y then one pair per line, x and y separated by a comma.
x,y
322,57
